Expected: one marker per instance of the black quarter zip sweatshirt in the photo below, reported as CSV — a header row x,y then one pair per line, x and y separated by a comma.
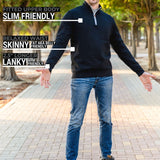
x,y
91,40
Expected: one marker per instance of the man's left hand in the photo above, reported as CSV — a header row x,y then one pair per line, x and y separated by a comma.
x,y
146,80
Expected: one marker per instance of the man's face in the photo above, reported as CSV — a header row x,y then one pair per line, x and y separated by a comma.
x,y
92,2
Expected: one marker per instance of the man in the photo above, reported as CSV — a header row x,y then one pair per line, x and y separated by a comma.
x,y
91,68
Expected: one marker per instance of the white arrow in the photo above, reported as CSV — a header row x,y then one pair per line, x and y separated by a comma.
x,y
44,66
79,20
47,66
72,49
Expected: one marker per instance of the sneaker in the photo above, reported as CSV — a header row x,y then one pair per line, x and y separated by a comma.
x,y
109,157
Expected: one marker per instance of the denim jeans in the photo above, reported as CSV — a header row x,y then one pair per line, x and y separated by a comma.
x,y
80,91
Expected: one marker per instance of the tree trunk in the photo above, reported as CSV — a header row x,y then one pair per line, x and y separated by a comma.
x,y
6,28
157,37
8,73
56,31
36,27
137,36
121,31
130,38
133,39
123,34
151,50
146,37
126,35
51,35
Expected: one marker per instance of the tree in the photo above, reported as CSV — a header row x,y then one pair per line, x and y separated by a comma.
x,y
6,28
8,73
123,17
157,36
147,10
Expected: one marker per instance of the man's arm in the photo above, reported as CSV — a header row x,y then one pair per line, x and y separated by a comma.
x,y
63,36
125,55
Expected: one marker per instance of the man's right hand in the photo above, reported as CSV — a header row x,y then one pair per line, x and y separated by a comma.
x,y
45,77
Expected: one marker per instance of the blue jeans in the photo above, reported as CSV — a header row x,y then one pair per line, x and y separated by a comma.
x,y
80,90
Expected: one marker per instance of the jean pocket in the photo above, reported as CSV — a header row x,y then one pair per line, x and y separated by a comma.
x,y
80,82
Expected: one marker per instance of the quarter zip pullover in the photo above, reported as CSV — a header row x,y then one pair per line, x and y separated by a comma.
x,y
91,57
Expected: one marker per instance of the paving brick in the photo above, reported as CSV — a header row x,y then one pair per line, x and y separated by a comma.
x,y
33,126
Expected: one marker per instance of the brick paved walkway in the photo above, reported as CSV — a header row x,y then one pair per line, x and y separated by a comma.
x,y
33,125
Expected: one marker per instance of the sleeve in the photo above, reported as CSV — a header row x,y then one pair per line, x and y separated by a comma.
x,y
62,38
123,52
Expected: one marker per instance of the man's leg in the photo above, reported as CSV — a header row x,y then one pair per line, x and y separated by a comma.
x,y
80,90
103,94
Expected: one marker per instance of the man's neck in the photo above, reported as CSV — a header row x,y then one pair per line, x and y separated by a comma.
x,y
94,6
